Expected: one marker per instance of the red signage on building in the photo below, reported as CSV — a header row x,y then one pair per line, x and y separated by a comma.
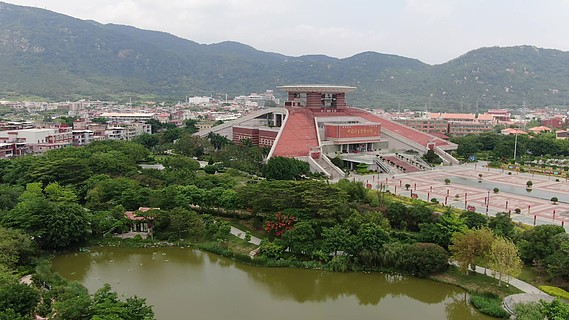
x,y
352,131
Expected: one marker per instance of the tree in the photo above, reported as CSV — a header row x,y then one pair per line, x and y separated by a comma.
x,y
418,214
171,135
555,310
300,239
72,302
186,222
149,141
336,238
9,196
107,305
537,243
367,244
100,120
447,181
20,298
554,200
529,184
217,141
423,259
280,224
15,247
54,223
442,230
502,225
505,258
65,171
432,158
397,213
281,168
469,246
191,126
474,220
113,162
355,189
557,263
180,164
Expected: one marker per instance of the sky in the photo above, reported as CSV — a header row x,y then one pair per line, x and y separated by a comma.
x,y
433,31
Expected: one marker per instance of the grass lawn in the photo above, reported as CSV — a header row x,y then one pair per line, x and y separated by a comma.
x,y
238,245
475,282
530,275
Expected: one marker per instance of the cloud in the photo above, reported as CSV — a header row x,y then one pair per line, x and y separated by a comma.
x,y
430,10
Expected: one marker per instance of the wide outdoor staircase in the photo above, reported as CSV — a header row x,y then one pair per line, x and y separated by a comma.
x,y
447,158
382,167
298,136
333,171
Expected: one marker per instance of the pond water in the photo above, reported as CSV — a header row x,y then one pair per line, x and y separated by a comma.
x,y
182,283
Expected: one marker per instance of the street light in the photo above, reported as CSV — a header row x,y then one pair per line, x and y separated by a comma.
x,y
377,165
487,202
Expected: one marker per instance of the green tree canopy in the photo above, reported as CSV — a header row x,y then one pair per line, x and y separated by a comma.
x,y
281,168
54,223
537,243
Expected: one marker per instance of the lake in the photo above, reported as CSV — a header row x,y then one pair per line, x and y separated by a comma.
x,y
182,283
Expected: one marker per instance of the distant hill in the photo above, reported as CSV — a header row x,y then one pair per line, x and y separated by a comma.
x,y
50,55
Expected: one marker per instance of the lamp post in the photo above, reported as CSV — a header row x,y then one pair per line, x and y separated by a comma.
x,y
377,165
488,202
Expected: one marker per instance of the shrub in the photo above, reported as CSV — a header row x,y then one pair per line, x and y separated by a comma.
x,y
496,190
210,169
338,263
338,162
528,311
422,259
434,200
554,291
490,304
272,250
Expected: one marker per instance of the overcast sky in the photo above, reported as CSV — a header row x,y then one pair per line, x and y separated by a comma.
x,y
433,31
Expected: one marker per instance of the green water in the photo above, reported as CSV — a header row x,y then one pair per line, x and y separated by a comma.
x,y
189,284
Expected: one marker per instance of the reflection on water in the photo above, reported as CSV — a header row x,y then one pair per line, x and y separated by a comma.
x,y
185,283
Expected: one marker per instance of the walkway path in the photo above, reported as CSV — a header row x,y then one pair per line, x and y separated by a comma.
x,y
531,293
241,234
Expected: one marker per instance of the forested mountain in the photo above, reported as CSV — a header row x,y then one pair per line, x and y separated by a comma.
x,y
50,55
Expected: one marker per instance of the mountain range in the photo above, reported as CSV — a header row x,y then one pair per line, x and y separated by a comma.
x,y
48,55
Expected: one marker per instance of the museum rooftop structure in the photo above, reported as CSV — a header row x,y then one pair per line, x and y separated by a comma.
x,y
316,124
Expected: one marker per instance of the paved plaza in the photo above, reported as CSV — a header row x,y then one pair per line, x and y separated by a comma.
x,y
464,191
